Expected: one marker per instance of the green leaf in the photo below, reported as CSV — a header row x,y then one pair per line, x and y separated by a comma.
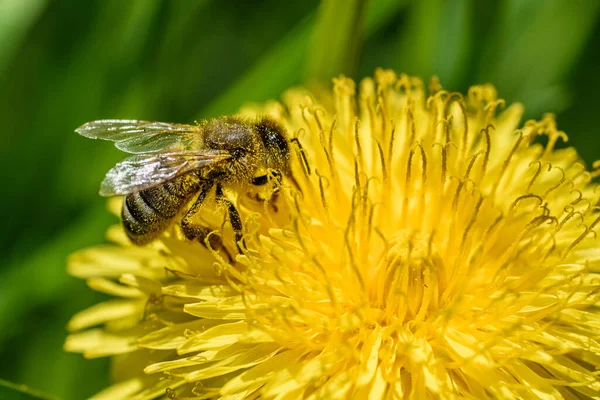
x,y
281,66
435,40
27,283
536,45
16,17
269,76
380,13
337,38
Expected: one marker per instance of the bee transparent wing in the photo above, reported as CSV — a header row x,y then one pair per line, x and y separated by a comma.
x,y
139,137
143,171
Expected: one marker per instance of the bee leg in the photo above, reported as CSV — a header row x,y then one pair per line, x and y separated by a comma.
x,y
195,232
215,243
263,180
234,217
200,234
189,230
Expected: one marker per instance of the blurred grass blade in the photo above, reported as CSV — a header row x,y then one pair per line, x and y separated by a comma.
x,y
14,391
44,283
16,17
380,13
435,40
537,45
454,41
337,39
281,66
269,76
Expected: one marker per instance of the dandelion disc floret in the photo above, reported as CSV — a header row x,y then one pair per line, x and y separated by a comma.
x,y
424,246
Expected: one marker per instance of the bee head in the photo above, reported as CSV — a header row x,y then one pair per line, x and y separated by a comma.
x,y
276,146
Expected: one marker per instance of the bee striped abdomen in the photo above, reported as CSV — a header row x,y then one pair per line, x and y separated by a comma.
x,y
147,213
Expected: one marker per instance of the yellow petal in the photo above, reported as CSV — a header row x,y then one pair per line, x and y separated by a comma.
x,y
215,338
172,337
122,390
98,343
107,311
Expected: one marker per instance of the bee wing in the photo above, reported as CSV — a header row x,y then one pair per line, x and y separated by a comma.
x,y
139,137
143,171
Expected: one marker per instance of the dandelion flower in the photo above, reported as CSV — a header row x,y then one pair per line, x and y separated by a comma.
x,y
427,246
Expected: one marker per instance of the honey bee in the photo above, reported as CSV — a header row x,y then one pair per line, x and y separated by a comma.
x,y
172,163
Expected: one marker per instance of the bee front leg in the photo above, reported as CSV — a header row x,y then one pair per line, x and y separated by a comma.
x,y
234,217
263,180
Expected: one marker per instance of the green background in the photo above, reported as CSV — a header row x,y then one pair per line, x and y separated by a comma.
x,y
65,62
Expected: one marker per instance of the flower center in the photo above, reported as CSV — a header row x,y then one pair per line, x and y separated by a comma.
x,y
405,284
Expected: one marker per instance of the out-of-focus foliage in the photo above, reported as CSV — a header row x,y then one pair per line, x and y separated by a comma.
x,y
65,62
13,391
